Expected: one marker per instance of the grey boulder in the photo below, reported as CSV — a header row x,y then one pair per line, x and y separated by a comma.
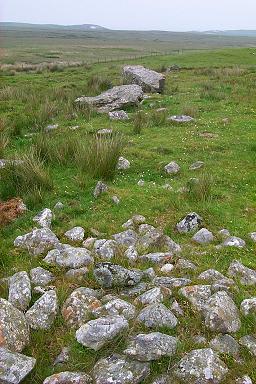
x,y
234,241
246,275
248,306
123,163
75,234
110,275
181,119
69,257
115,98
42,314
249,341
40,276
118,115
20,290
156,316
172,168
190,223
99,189
44,218
203,236
37,242
14,367
197,295
68,378
149,80
225,344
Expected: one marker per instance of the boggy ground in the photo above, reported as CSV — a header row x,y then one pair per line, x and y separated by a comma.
x,y
218,89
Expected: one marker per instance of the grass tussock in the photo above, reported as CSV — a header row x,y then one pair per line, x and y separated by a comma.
x,y
97,84
190,110
200,189
4,141
140,121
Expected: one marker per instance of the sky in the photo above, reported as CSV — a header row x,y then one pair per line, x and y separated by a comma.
x,y
171,15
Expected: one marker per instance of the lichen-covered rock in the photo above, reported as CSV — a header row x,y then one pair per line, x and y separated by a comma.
x,y
118,115
203,236
14,329
163,379
123,163
172,168
249,341
118,307
127,238
157,257
68,378
221,314
234,241
190,223
14,367
42,314
171,282
149,80
152,346
20,290
244,380
153,296
167,268
156,316
77,274
69,257
75,234
252,236
211,275
99,189
79,306
44,218
131,254
248,306
184,264
118,369
201,366
105,249
40,276
96,333
197,295
180,119
150,236
225,344
110,275
37,242
246,275
196,165
115,98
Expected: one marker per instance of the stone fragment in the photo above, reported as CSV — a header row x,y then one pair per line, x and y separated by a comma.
x,y
63,357
152,346
123,163
69,257
224,233
249,341
156,316
59,205
78,274
14,329
131,254
211,275
96,333
75,234
246,275
244,380
203,236
37,242
40,276
105,249
68,378
171,282
167,268
225,344
99,189
176,309
127,238
172,168
20,290
44,218
181,119
201,366
118,369
234,241
115,199
42,314
190,223
149,80
153,296
14,367
253,236
248,306
184,264
197,295
118,115
157,257
118,307
196,165
110,275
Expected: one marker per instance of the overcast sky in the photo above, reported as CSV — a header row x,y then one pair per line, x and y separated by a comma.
x,y
178,15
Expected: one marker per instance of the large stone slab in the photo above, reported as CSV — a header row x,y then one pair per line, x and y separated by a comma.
x,y
20,290
14,367
68,378
149,80
37,242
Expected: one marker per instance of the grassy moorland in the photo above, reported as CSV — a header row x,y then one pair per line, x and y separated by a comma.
x,y
217,88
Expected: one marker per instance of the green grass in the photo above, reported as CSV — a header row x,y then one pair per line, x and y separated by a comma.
x,y
212,86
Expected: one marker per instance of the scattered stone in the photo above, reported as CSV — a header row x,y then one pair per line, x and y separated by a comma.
x,y
115,200
118,307
135,291
63,357
225,344
123,163
196,165
42,314
96,333
105,132
68,378
37,242
248,306
203,236
201,366
118,115
117,369
69,257
99,189
185,264
197,295
246,275
44,218
153,296
176,308
171,282
78,274
14,367
150,236
156,316
20,290
79,306
211,275
253,236
163,379
115,98
157,257
75,234
149,80
59,205
234,241
40,276
171,245
224,233
52,127
152,346
89,242
127,238
249,341
181,119
200,340
42,290
149,273
105,249
141,183
244,380
172,168
14,329
190,223
110,275
167,268
131,254
221,314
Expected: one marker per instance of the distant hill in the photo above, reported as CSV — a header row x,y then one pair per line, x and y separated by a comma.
x,y
82,27
242,32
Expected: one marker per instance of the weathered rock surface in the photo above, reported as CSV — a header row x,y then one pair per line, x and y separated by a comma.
x,y
75,234
14,367
171,282
126,238
184,264
203,236
156,316
149,80
79,306
44,218
152,346
172,168
14,329
40,276
153,296
248,306
197,295
118,307
68,378
244,380
123,163
246,275
115,98
118,369
42,314
221,314
234,241
190,223
78,274
110,275
99,189
249,341
69,257
105,249
157,257
118,115
63,356
225,344
196,165
181,119
20,290
37,242
96,333
201,366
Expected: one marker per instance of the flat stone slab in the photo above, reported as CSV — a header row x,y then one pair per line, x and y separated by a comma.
x,y
150,81
14,367
68,378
